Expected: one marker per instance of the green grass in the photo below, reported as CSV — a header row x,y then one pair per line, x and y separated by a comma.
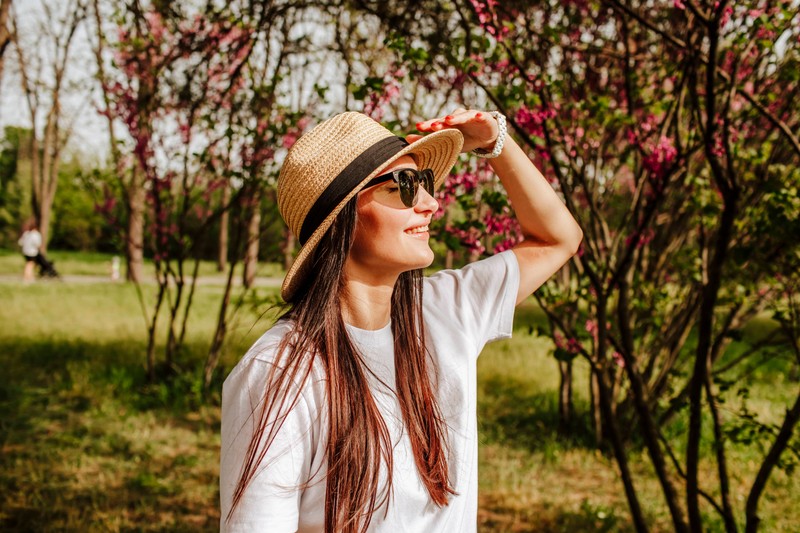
x,y
88,445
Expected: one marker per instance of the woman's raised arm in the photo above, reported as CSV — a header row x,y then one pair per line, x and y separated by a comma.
x,y
551,234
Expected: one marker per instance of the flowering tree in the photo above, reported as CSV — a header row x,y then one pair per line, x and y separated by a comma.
x,y
204,100
389,74
668,127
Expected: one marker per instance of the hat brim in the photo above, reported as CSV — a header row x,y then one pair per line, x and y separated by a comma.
x,y
437,151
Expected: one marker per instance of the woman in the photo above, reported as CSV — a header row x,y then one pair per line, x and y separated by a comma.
x,y
356,411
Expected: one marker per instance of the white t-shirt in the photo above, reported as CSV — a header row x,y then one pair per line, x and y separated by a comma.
x,y
462,310
30,242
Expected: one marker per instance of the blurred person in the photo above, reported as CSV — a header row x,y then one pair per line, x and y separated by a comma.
x,y
31,243
356,411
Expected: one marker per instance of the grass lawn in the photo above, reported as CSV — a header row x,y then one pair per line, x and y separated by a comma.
x,y
87,445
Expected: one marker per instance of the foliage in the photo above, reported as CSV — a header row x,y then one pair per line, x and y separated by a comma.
x,y
198,95
77,223
14,186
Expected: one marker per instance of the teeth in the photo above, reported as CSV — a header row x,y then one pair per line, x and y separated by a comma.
x,y
420,229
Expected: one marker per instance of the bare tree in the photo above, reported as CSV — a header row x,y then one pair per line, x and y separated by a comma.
x,y
43,63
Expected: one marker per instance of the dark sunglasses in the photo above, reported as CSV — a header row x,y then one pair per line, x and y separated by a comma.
x,y
408,181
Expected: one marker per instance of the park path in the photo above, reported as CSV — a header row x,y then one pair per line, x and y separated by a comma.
x,y
88,279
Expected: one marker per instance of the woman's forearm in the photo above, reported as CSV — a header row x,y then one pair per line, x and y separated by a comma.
x,y
542,215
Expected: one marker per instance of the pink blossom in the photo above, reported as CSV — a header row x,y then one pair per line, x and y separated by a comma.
x,y
505,245
505,226
185,131
289,139
487,18
559,340
718,146
156,25
591,328
574,345
726,15
642,238
649,123
376,102
470,238
571,345
533,120
765,33
618,359
661,156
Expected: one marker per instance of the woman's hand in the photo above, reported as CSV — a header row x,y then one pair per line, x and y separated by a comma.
x,y
478,128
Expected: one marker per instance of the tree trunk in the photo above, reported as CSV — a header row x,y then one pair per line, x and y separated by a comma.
x,y
5,36
639,396
134,239
610,429
251,254
565,397
219,335
50,162
36,181
722,462
44,225
701,362
222,253
597,412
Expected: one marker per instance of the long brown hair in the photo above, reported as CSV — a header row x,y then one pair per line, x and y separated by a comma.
x,y
358,438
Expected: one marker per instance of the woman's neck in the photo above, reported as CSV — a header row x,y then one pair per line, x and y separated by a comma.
x,y
365,305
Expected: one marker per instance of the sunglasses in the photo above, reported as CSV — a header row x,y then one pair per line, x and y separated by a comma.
x,y
408,181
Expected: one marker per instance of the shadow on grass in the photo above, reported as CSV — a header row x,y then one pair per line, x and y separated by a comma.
x,y
512,413
88,445
117,366
497,517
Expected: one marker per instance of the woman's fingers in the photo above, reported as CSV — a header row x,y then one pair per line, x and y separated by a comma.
x,y
479,128
457,117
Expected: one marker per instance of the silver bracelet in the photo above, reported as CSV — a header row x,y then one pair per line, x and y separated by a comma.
x,y
498,143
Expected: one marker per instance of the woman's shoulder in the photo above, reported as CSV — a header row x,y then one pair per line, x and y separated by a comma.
x,y
491,268
268,354
265,351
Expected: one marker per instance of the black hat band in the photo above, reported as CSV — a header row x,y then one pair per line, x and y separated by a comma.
x,y
347,180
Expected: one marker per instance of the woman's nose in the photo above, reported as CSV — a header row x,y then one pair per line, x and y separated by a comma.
x,y
426,202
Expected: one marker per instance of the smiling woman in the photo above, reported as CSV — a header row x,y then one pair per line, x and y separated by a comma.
x,y
356,411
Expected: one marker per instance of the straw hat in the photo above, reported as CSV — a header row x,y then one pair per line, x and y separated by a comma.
x,y
332,162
